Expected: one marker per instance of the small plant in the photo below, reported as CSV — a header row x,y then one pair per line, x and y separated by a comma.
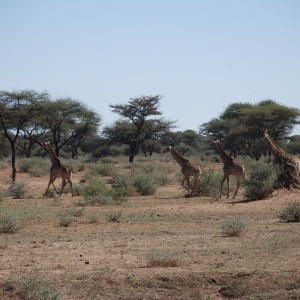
x,y
18,189
115,217
8,224
3,194
211,183
35,166
233,227
104,169
75,212
144,184
65,220
37,289
291,213
163,259
259,184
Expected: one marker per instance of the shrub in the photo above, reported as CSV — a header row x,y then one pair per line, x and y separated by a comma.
x,y
211,184
18,189
233,227
259,184
3,165
35,166
37,289
3,194
115,217
291,213
122,184
104,169
8,224
97,193
144,184
65,220
75,212
163,258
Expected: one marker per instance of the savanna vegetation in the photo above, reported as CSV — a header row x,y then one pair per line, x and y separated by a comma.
x,y
130,232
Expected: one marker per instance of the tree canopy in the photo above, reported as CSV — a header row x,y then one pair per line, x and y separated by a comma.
x,y
137,124
240,125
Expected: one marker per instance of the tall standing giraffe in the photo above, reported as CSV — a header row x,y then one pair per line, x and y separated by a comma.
x,y
58,170
231,167
187,169
289,164
279,154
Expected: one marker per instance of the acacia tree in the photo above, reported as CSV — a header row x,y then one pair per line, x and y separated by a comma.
x,y
137,123
240,125
68,122
17,108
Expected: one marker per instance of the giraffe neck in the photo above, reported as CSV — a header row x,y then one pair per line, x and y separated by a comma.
x,y
54,159
226,159
179,158
272,146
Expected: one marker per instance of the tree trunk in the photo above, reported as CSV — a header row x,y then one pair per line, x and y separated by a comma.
x,y
13,161
134,148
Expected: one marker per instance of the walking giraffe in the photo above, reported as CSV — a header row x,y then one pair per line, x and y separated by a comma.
x,y
58,170
187,169
289,164
230,167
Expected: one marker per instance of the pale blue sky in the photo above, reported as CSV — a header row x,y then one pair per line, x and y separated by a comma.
x,y
199,55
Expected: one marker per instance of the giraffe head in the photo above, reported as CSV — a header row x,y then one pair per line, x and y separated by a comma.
x,y
214,143
265,131
168,149
44,145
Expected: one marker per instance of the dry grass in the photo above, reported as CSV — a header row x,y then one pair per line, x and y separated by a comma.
x,y
163,246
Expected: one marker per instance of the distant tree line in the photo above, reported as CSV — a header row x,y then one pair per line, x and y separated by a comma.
x,y
28,118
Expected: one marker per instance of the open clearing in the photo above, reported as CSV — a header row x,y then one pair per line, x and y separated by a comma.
x,y
98,258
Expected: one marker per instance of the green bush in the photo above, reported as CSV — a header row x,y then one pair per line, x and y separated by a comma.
x,y
291,213
233,226
122,184
259,184
129,185
19,189
35,166
115,217
37,289
96,192
144,184
104,169
211,184
65,220
8,224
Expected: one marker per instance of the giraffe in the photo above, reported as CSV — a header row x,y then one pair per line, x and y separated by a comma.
x,y
187,170
58,170
289,164
230,167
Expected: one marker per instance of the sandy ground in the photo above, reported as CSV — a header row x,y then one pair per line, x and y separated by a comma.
x,y
96,258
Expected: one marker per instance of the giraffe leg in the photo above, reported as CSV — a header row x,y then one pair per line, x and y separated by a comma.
x,y
227,187
51,181
63,184
48,187
198,181
71,185
183,181
56,190
224,178
238,183
196,185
